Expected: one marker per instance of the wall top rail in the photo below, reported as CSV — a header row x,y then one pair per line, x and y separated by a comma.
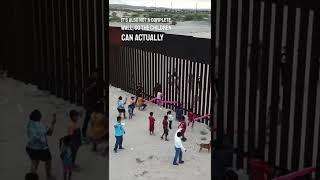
x,y
179,46
308,4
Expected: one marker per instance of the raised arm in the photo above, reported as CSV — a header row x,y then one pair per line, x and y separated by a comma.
x,y
179,130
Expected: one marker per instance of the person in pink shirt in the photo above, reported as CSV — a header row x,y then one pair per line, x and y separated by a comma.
x,y
151,123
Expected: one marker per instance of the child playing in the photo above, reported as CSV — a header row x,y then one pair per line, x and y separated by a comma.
x,y
74,132
120,107
66,157
141,103
191,117
151,123
131,107
165,128
159,98
119,132
170,118
183,126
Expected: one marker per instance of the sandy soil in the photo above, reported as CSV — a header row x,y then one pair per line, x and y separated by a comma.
x,y
17,100
148,157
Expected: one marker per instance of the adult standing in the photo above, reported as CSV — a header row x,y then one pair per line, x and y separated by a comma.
x,y
157,88
178,147
93,92
37,147
179,112
138,91
99,127
158,91
119,132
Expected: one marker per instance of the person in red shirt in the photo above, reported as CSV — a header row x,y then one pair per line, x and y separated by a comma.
x,y
183,126
165,128
151,123
191,117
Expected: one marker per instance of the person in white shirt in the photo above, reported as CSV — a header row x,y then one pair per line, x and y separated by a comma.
x,y
178,147
159,98
170,118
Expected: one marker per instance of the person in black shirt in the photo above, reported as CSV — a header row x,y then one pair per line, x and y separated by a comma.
x,y
179,112
93,92
138,91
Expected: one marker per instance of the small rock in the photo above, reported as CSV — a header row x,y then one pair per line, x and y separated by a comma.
x,y
138,160
203,132
203,139
144,172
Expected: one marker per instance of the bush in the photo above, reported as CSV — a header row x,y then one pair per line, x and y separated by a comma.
x,y
194,17
135,15
188,17
115,19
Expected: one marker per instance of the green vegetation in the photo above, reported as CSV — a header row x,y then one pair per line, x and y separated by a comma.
x,y
135,15
178,16
195,17
114,17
